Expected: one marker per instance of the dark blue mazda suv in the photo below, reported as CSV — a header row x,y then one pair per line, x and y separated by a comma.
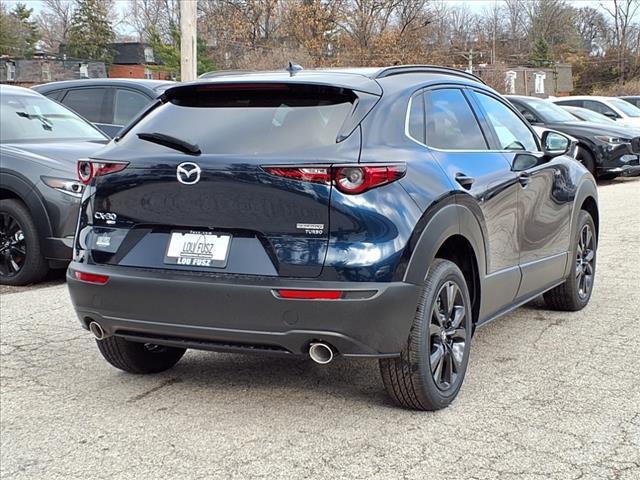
x,y
382,213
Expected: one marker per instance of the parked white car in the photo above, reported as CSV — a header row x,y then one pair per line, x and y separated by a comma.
x,y
617,109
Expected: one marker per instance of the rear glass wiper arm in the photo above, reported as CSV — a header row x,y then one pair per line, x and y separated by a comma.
x,y
46,123
171,142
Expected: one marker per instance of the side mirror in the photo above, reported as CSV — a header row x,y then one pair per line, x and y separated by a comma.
x,y
611,115
555,144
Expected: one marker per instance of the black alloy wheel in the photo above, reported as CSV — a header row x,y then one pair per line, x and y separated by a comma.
x,y
13,247
585,258
447,336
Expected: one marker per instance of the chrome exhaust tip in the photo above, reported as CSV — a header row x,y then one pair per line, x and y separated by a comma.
x,y
98,332
321,353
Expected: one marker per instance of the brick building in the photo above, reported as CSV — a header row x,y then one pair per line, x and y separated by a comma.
x,y
137,60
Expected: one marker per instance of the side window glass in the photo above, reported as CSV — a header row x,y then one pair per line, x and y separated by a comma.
x,y
451,124
416,118
128,105
86,102
512,132
55,95
600,108
527,114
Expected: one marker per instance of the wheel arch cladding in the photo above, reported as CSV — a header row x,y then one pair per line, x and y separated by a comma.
x,y
589,205
586,199
13,187
458,250
452,233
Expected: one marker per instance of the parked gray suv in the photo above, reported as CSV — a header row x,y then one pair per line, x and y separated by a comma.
x,y
40,144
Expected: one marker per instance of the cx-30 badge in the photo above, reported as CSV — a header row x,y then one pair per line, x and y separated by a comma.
x,y
188,173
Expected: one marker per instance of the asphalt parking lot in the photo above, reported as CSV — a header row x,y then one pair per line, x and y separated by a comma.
x,y
549,395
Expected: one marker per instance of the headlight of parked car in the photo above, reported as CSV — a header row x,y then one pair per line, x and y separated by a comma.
x,y
64,185
613,140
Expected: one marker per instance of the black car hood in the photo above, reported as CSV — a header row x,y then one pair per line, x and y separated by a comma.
x,y
55,155
589,129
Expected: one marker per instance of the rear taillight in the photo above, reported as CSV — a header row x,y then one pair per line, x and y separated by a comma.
x,y
348,179
89,169
91,277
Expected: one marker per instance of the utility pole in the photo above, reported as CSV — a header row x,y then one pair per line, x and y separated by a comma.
x,y
188,42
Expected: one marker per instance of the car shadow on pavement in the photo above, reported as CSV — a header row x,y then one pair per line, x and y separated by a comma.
x,y
258,378
53,278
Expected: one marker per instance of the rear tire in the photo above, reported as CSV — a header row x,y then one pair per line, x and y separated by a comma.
x,y
134,357
575,292
432,365
20,246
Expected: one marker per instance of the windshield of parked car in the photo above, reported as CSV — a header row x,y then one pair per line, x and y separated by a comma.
x,y
549,112
625,107
250,119
35,118
589,115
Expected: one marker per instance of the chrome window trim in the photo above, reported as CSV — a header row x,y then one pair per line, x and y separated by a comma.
x,y
406,132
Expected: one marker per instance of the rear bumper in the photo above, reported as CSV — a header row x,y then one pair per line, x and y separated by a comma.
x,y
242,313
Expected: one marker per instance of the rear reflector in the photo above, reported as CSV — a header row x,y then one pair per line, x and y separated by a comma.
x,y
91,278
310,294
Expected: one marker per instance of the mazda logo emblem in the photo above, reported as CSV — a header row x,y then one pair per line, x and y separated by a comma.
x,y
188,173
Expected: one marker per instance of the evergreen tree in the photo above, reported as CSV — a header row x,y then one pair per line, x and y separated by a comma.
x,y
169,52
28,30
91,33
9,41
541,54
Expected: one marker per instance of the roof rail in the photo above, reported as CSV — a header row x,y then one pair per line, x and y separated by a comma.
x,y
400,69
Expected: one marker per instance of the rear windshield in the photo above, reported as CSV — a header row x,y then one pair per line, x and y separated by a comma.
x,y
251,119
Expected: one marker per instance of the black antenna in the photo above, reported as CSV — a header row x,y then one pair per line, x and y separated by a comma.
x,y
293,68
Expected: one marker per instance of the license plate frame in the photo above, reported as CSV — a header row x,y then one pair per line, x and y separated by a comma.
x,y
201,249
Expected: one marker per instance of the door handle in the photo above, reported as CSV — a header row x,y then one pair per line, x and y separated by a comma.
x,y
464,180
524,179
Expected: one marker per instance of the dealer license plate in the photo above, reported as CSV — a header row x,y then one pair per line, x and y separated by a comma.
x,y
198,249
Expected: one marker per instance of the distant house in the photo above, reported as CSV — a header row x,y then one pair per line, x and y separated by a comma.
x,y
553,81
32,71
137,60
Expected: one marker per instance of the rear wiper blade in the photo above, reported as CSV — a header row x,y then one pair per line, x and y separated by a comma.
x,y
46,123
171,142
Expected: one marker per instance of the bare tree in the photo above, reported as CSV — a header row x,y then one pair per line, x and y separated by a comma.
x,y
54,22
592,29
623,13
146,16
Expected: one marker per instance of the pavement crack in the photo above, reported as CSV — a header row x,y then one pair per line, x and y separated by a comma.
x,y
146,393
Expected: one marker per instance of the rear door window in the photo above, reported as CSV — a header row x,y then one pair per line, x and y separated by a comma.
x,y
451,124
252,119
127,105
87,102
